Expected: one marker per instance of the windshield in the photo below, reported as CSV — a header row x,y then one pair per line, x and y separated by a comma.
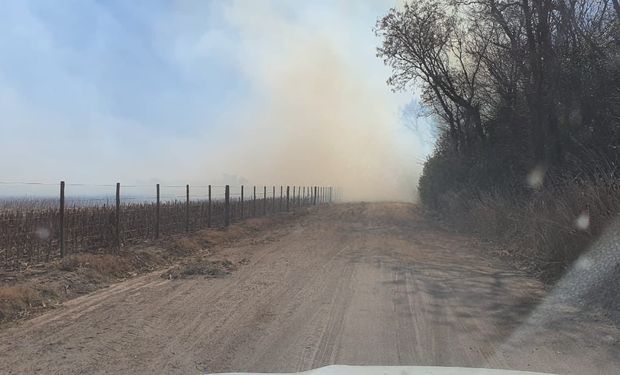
x,y
277,186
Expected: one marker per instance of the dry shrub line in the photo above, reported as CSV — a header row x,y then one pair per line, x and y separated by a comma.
x,y
545,232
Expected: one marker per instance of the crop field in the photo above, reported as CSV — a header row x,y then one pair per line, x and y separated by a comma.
x,y
40,229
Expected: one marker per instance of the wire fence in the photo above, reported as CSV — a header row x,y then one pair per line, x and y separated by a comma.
x,y
39,228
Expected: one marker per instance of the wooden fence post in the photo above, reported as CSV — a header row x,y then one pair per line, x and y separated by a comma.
x,y
157,204
187,208
61,220
242,202
287,197
294,201
316,195
281,196
254,203
227,206
273,200
118,215
264,200
303,203
209,209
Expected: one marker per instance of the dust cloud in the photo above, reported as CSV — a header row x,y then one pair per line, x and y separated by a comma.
x,y
319,112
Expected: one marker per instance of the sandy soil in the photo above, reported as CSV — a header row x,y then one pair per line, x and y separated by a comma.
x,y
348,284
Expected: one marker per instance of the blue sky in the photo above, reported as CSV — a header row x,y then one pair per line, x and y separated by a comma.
x,y
144,91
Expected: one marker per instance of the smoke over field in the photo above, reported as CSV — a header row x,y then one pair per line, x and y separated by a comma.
x,y
315,114
254,92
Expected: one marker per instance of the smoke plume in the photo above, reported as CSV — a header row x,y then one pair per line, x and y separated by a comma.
x,y
316,115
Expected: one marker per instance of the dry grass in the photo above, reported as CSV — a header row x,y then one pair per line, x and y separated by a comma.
x,y
33,288
19,300
546,231
208,268
29,229
103,264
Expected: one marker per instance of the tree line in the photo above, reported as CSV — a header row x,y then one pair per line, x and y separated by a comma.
x,y
511,85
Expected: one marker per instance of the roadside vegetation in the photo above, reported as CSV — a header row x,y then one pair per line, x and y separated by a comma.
x,y
29,291
525,96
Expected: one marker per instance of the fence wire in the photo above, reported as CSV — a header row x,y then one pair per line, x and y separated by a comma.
x,y
95,218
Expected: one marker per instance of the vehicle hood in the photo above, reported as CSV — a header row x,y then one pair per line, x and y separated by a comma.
x,y
399,370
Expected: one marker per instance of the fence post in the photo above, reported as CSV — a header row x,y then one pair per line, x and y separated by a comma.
x,y
273,200
187,208
281,195
61,220
254,203
330,194
241,202
157,213
264,200
303,203
316,190
287,197
294,197
118,215
227,206
209,209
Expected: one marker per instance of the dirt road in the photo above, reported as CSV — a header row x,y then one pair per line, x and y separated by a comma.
x,y
348,284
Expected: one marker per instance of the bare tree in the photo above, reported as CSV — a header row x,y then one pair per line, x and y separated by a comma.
x,y
424,43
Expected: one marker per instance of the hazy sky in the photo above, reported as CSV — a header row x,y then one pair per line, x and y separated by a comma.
x,y
202,91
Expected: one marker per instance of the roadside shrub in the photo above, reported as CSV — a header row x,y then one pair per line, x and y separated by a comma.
x,y
16,299
103,264
545,229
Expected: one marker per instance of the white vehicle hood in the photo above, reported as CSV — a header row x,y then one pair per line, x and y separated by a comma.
x,y
398,370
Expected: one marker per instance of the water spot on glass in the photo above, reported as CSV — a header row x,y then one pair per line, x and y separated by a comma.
x,y
583,221
42,233
536,177
584,263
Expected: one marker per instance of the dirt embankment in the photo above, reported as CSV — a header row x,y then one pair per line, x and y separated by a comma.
x,y
365,284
